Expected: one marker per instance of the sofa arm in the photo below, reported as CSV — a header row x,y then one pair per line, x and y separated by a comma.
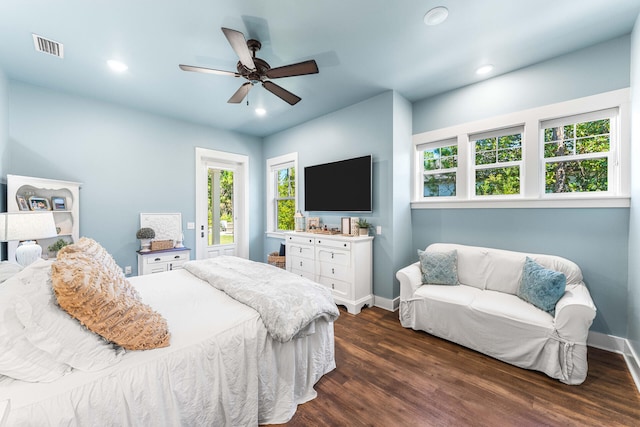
x,y
410,279
575,312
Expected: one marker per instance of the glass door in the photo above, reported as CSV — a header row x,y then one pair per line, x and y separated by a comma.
x,y
220,212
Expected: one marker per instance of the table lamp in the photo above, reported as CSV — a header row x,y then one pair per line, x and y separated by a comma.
x,y
27,227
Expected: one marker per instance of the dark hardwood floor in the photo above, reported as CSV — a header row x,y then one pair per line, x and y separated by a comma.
x,y
391,376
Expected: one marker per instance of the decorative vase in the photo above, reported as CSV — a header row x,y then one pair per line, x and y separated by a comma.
x,y
145,245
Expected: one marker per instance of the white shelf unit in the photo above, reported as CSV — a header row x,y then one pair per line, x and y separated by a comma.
x,y
341,263
68,220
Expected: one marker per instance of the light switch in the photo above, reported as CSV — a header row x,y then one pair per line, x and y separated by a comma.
x,y
191,225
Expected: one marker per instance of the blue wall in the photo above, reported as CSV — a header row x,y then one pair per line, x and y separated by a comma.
x,y
127,161
596,239
4,148
633,320
361,129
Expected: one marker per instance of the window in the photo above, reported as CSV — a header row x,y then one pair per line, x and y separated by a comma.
x,y
498,161
570,154
440,162
282,184
577,152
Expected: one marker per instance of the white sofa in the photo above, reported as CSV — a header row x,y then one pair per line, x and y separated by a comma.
x,y
484,313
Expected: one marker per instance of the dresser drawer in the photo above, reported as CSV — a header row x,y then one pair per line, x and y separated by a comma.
x,y
333,256
301,240
337,244
300,251
301,264
303,273
183,257
334,271
338,287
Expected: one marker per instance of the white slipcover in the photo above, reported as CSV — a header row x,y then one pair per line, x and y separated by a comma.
x,y
484,313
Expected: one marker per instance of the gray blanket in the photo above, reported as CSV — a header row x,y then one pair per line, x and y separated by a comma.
x,y
288,304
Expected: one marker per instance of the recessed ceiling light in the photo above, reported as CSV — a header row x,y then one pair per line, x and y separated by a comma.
x,y
436,16
117,66
261,111
484,69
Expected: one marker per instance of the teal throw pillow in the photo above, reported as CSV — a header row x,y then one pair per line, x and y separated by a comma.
x,y
540,286
439,268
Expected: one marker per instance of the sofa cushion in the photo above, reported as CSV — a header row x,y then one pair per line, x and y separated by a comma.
x,y
540,286
511,308
439,268
459,295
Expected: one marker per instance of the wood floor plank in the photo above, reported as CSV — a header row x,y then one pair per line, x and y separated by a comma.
x,y
388,375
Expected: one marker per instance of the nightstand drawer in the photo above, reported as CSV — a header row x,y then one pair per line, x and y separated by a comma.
x,y
167,258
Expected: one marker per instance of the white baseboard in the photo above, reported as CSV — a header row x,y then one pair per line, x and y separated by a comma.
x,y
620,346
385,303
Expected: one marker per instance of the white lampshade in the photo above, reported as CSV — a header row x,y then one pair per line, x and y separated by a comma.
x,y
27,226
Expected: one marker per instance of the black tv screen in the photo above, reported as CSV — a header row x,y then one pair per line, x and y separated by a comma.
x,y
343,186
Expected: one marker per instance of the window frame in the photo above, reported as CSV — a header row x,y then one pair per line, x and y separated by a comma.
x,y
532,192
275,164
432,146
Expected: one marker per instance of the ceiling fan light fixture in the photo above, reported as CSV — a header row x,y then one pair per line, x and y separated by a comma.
x,y
436,16
485,69
117,66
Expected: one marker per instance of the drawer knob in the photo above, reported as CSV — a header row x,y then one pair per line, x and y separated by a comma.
x,y
157,259
319,241
176,257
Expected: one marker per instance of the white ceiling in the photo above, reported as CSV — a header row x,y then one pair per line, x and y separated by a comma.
x,y
362,48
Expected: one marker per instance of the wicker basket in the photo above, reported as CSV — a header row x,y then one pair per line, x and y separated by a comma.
x,y
158,245
275,259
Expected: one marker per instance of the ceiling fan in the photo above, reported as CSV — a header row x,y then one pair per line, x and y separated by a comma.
x,y
256,70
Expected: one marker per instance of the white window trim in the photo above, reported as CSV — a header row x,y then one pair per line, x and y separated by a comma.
x,y
532,195
274,164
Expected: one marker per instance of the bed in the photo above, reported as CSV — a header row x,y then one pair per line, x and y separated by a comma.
x,y
222,367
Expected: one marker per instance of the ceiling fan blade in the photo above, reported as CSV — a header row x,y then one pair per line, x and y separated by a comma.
x,y
208,70
240,93
239,44
299,69
281,92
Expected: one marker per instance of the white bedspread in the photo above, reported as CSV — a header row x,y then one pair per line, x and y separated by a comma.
x,y
288,304
221,368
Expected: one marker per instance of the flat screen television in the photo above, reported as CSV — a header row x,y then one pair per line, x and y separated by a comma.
x,y
342,186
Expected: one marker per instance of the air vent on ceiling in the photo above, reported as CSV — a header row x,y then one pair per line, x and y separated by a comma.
x,y
48,46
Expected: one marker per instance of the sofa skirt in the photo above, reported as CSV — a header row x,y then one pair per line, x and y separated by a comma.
x,y
526,340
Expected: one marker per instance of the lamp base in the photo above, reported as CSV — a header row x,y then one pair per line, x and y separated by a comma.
x,y
28,252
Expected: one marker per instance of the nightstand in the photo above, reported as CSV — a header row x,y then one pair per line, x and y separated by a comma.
x,y
163,260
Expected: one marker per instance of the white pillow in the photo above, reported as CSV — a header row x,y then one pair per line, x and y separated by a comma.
x,y
8,270
19,358
28,299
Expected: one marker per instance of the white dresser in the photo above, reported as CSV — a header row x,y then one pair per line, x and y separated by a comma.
x,y
164,260
341,263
